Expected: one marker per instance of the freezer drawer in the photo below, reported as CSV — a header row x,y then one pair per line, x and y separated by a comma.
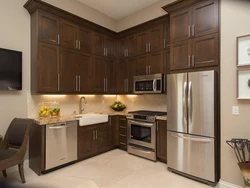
x,y
192,155
61,144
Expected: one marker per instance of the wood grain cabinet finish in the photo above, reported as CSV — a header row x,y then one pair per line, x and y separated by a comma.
x,y
161,144
48,31
142,43
123,133
47,68
68,34
127,46
110,76
156,38
85,40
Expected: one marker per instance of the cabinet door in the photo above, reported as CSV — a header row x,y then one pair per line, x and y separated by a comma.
x,y
68,35
205,18
142,43
121,75
110,75
131,46
141,65
102,137
109,44
180,55
98,44
161,140
205,50
48,28
131,64
86,142
123,133
85,40
47,68
67,68
166,67
156,38
166,31
180,25
84,72
121,48
98,74
155,62
114,131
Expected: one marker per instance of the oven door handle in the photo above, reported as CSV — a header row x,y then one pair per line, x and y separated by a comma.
x,y
141,123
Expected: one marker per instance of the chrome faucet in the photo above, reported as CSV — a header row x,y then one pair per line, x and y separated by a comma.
x,y
81,109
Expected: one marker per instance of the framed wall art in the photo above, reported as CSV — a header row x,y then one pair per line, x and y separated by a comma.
x,y
243,82
243,51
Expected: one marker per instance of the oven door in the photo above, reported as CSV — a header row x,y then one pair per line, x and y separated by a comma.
x,y
142,134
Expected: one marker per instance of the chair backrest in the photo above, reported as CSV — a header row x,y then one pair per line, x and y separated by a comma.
x,y
17,131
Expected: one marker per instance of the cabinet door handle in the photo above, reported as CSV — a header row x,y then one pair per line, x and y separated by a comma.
x,y
149,47
58,39
58,82
93,135
192,60
189,31
193,30
76,84
76,44
189,63
164,43
79,44
79,82
96,135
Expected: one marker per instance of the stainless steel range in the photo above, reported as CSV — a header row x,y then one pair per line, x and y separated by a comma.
x,y
142,133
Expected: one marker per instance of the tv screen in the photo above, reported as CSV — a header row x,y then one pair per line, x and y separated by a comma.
x,y
10,70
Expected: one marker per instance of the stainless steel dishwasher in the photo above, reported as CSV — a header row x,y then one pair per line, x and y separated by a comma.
x,y
61,144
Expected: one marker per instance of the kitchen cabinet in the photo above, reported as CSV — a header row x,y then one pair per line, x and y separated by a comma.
x,y
98,138
48,31
46,72
142,42
127,47
161,140
104,73
125,74
85,40
68,34
198,20
197,52
103,45
151,63
123,133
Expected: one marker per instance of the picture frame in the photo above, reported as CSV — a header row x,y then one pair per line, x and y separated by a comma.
x,y
243,51
243,84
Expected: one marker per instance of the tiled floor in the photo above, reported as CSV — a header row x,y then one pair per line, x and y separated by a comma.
x,y
114,169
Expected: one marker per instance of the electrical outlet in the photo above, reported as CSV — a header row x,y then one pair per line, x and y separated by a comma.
x,y
235,110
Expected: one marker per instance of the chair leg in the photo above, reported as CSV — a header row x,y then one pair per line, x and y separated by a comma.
x,y
4,173
20,167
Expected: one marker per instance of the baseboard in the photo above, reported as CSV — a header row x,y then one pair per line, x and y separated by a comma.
x,y
223,184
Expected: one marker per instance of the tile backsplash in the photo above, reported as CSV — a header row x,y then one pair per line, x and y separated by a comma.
x,y
97,103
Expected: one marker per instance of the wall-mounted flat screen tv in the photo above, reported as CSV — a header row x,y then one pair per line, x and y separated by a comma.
x,y
10,70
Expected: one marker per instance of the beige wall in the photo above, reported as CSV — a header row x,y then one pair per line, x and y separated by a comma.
x,y
15,34
143,15
235,22
84,11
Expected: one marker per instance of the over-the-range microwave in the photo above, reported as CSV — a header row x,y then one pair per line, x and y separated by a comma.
x,y
148,84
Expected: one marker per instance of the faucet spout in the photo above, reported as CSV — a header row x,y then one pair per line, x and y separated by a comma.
x,y
81,108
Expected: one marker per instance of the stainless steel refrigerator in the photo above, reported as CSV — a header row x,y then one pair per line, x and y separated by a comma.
x,y
192,125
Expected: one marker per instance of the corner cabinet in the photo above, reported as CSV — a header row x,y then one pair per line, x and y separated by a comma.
x,y
194,34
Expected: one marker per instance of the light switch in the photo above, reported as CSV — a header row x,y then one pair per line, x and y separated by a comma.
x,y
235,110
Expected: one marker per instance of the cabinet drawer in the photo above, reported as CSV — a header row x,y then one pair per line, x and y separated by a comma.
x,y
123,139
123,130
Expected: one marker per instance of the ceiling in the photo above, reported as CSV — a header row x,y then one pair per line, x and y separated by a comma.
x,y
118,9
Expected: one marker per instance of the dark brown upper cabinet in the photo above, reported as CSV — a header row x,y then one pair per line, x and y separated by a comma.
x,y
103,46
67,71
142,43
109,47
127,47
68,34
110,76
125,75
85,40
48,31
46,72
198,20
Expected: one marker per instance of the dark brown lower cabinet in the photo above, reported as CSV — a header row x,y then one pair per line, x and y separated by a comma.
x,y
98,138
161,142
123,133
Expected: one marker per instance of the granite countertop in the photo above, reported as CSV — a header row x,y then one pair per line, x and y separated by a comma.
x,y
65,118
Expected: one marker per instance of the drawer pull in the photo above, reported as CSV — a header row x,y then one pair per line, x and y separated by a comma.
x,y
123,127
123,135
123,119
122,143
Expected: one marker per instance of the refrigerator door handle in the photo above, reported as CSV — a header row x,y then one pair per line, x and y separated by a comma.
x,y
185,103
191,138
190,109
